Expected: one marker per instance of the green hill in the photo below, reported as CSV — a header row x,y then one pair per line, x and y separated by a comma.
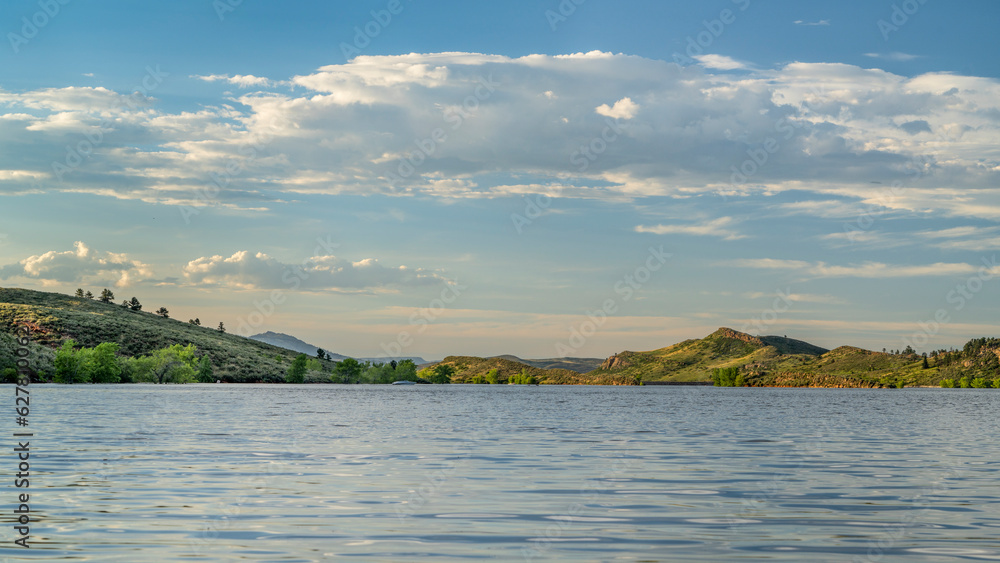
x,y
775,361
469,367
579,365
54,318
694,360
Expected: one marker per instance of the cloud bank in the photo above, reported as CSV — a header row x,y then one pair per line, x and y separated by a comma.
x,y
468,125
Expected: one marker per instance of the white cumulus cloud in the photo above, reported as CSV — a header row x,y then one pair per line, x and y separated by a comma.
x,y
80,265
624,108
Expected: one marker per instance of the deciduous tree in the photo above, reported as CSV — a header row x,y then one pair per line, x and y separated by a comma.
x,y
297,371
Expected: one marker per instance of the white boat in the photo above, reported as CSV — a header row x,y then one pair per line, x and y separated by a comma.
x,y
404,382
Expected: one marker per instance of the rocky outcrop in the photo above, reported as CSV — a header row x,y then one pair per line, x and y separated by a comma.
x,y
847,350
618,361
737,335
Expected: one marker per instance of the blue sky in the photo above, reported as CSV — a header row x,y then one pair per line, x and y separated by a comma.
x,y
483,178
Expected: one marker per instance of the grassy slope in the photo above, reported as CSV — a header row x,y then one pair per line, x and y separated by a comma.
x,y
773,361
467,367
579,365
691,360
54,318
846,367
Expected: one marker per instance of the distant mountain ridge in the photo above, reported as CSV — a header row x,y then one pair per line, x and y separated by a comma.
x,y
290,342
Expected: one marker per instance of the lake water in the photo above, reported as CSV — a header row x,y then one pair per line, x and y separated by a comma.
x,y
509,473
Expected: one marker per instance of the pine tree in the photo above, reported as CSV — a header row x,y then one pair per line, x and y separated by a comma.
x,y
135,305
107,296
79,293
222,327
163,312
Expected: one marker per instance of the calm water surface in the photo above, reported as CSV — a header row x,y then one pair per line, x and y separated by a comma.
x,y
509,473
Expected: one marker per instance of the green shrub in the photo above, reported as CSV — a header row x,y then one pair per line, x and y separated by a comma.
x,y
948,383
727,377
205,372
491,377
522,379
297,371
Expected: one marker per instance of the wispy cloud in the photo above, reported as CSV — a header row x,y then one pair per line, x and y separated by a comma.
x,y
876,270
799,297
820,22
244,270
894,56
720,62
714,228
963,238
241,80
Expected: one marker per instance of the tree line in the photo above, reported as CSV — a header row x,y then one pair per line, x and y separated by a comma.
x,y
103,364
349,371
108,296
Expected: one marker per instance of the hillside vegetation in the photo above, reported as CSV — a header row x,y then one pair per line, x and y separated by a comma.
x,y
579,365
55,318
774,361
81,331
469,369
